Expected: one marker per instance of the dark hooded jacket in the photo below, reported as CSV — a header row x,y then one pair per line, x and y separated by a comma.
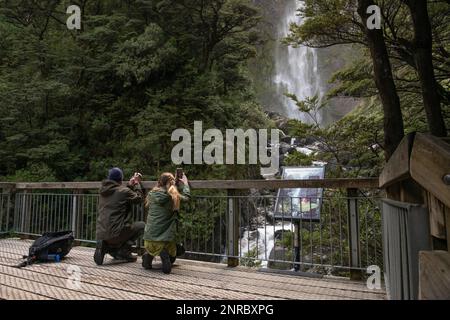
x,y
115,208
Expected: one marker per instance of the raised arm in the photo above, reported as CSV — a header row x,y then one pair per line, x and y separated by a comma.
x,y
183,188
134,194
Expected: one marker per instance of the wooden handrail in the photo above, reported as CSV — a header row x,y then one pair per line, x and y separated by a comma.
x,y
365,183
424,159
430,163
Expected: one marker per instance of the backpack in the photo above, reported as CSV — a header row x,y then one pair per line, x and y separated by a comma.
x,y
51,246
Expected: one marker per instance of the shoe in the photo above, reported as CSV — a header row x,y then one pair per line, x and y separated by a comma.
x,y
124,253
147,260
127,257
100,251
166,265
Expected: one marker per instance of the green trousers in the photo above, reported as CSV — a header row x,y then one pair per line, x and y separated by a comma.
x,y
154,248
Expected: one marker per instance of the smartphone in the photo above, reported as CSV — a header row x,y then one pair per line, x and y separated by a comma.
x,y
179,174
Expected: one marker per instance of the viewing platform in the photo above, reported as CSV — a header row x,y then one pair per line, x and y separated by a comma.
x,y
189,280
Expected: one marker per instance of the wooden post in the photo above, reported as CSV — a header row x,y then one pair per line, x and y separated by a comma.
x,y
434,279
353,230
233,228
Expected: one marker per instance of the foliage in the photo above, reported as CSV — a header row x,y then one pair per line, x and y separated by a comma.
x,y
250,259
350,146
74,103
353,145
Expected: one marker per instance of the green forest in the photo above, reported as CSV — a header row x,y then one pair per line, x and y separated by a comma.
x,y
74,103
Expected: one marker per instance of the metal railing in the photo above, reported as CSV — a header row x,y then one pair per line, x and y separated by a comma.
x,y
5,220
226,225
406,233
285,242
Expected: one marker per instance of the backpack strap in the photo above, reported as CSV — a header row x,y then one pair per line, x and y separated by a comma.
x,y
29,260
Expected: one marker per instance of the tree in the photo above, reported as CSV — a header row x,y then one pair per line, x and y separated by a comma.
x,y
74,103
422,52
393,120
331,23
336,22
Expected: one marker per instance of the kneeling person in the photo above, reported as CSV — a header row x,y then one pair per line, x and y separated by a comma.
x,y
116,232
163,204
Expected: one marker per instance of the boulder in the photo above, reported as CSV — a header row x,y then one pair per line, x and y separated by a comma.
x,y
280,253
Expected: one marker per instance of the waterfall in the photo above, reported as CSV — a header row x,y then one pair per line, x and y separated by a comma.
x,y
296,69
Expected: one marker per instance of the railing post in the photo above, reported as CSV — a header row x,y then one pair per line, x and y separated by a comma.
x,y
11,200
23,214
233,228
353,231
76,213
5,212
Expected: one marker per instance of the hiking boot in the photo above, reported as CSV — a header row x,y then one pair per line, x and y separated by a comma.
x,y
100,251
147,260
166,265
124,253
128,257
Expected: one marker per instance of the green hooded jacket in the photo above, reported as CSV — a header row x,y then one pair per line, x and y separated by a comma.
x,y
161,220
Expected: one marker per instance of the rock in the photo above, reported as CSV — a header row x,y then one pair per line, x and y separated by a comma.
x,y
304,141
284,147
291,150
280,253
306,151
273,115
282,124
280,234
287,139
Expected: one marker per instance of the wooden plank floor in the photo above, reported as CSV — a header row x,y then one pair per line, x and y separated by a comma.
x,y
189,280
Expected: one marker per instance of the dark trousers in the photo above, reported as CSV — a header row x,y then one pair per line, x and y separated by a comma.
x,y
127,236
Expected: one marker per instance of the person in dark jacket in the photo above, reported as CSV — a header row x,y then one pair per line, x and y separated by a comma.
x,y
116,232
163,204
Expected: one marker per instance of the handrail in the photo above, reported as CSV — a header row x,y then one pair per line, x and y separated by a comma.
x,y
363,183
424,159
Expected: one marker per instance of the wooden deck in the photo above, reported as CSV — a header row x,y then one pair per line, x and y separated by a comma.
x,y
189,280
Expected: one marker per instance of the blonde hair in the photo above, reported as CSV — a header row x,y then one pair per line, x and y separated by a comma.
x,y
163,180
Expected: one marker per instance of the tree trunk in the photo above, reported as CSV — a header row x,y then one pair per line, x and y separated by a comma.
x,y
422,48
393,119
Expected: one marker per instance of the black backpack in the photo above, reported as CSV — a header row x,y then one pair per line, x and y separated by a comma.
x,y
49,245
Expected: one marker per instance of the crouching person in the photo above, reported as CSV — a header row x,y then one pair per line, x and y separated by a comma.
x,y
116,232
163,204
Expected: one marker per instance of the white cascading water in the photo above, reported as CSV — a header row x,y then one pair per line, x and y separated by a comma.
x,y
296,72
296,69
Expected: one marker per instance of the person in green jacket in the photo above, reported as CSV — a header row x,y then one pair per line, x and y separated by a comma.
x,y
163,204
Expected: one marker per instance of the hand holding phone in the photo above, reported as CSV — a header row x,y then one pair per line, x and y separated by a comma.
x,y
179,174
136,179
181,177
